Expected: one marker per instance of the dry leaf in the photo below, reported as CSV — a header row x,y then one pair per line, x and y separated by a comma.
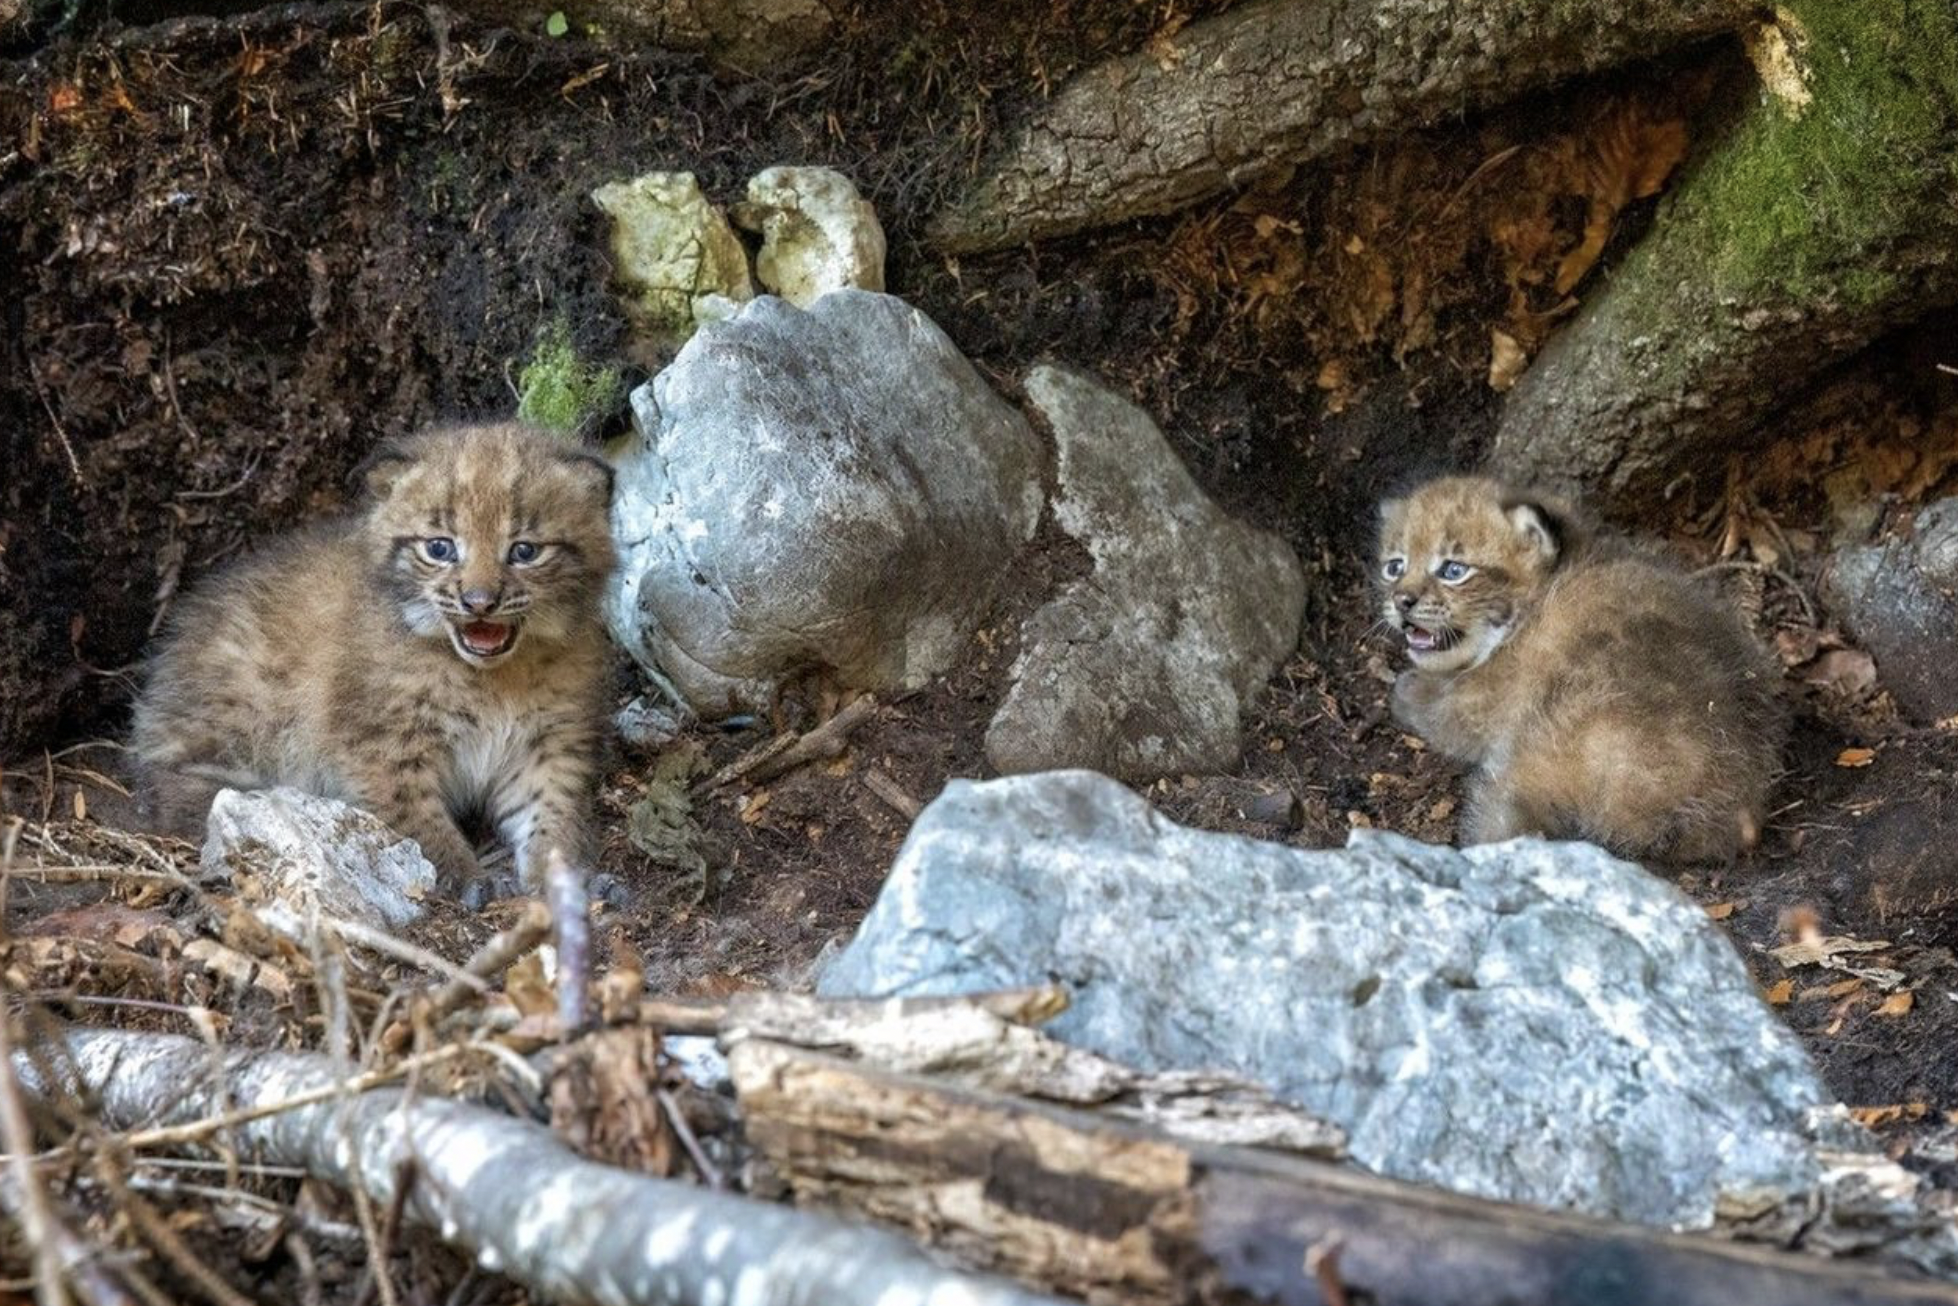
x,y
1875,1117
236,967
1720,911
1856,757
1822,951
1779,992
528,990
1896,1004
1506,359
754,805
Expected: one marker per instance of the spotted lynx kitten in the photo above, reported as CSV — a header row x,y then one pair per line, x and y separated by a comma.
x,y
437,658
1599,692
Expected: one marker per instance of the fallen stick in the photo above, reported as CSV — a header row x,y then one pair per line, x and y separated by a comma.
x,y
506,1190
786,752
1118,1213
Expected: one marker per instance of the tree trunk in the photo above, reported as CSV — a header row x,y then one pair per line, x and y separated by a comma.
x,y
1275,82
569,1229
1828,215
1120,1214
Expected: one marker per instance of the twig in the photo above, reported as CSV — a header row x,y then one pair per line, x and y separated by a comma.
x,y
564,885
381,941
893,794
157,1232
194,1131
244,477
684,1132
1322,1263
60,432
493,958
787,752
36,1215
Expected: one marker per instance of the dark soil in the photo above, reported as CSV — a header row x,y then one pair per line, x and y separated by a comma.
x,y
233,257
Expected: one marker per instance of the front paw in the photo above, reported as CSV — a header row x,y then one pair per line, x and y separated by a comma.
x,y
486,887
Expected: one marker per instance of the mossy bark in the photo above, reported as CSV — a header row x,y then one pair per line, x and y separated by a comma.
x,y
1827,215
1276,82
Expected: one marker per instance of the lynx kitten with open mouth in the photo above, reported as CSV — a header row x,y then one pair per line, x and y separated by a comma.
x,y
437,658
1599,692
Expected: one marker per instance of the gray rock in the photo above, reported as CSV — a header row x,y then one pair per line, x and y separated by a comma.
x,y
304,856
1528,1021
818,234
1142,668
1900,600
832,490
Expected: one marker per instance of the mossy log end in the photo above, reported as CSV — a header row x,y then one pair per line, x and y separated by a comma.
x,y
1827,216
1276,82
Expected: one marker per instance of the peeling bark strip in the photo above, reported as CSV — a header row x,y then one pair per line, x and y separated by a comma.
x,y
1274,82
506,1190
1820,222
1120,1214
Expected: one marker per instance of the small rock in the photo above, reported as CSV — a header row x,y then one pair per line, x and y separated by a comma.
x,y
1143,668
818,234
304,855
830,490
646,725
674,254
1899,598
1527,1021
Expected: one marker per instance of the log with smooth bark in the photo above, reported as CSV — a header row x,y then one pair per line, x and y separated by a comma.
x,y
1118,1213
1276,82
1827,215
569,1229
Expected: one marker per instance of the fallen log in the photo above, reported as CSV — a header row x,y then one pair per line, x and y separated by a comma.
x,y
1116,1213
1277,82
504,1189
1822,219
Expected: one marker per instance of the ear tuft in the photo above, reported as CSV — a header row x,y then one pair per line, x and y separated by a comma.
x,y
1538,528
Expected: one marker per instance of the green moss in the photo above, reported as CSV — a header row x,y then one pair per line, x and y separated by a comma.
x,y
1801,204
558,389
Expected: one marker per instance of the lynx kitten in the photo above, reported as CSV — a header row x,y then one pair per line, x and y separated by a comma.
x,y
437,659
1598,692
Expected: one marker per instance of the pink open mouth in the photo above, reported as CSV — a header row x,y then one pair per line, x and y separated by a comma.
x,y
487,639
1422,640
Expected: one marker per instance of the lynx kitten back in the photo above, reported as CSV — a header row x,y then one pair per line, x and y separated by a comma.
x,y
1599,692
437,658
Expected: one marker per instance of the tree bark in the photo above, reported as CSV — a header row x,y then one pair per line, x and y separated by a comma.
x,y
571,1230
1275,82
1121,1214
1828,215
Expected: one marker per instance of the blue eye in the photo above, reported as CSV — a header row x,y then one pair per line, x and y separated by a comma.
x,y
439,548
524,551
1394,568
1452,572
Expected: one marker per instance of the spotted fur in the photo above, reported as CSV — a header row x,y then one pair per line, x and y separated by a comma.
x,y
1597,690
340,661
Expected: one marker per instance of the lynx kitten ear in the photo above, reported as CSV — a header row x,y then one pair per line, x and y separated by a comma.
x,y
595,472
384,469
1538,529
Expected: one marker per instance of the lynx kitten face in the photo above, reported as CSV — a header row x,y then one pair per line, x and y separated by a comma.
x,y
1598,692
485,537
438,658
1460,563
